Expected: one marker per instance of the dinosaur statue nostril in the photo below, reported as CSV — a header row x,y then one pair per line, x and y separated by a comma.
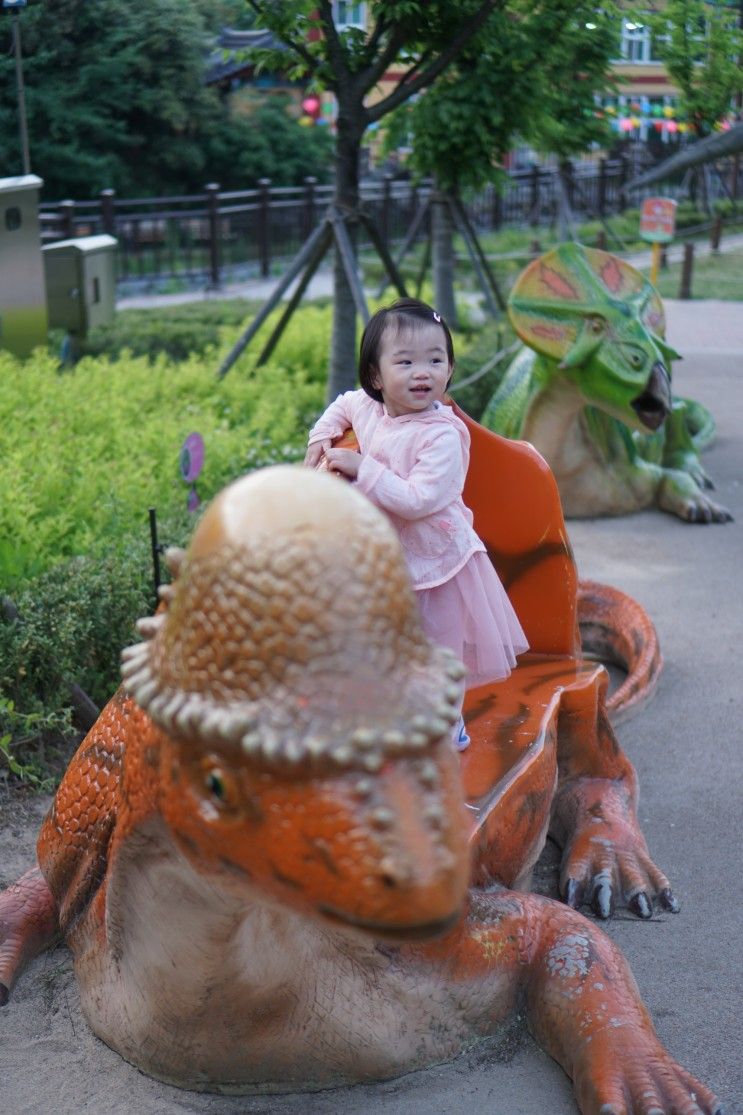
x,y
653,406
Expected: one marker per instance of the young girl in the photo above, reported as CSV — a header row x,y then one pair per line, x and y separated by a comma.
x,y
412,462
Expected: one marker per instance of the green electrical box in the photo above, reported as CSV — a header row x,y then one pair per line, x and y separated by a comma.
x,y
80,283
23,319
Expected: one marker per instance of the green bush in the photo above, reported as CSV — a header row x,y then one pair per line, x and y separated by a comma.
x,y
87,452
67,627
176,332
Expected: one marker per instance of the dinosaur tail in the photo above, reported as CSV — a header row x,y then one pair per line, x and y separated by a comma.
x,y
617,630
700,423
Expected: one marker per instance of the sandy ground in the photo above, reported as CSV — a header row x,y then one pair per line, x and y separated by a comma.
x,y
686,746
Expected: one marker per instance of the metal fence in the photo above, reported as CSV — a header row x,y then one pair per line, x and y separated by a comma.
x,y
215,237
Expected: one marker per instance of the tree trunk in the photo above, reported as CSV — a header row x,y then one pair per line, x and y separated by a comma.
x,y
343,357
442,251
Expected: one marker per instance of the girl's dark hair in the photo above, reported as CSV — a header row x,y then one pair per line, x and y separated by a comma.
x,y
406,311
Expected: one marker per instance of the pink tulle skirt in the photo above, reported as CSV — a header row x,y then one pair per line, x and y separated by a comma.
x,y
472,615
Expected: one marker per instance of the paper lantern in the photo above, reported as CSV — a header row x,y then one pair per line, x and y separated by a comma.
x,y
306,121
683,128
658,125
625,124
668,111
672,126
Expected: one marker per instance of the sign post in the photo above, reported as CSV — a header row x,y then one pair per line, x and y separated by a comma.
x,y
657,226
191,463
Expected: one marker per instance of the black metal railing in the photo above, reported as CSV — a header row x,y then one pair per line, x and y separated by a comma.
x,y
215,237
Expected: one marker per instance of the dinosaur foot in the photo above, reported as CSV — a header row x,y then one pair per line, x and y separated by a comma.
x,y
628,1072
680,495
28,924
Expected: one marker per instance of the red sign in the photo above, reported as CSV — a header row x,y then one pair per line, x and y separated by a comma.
x,y
658,219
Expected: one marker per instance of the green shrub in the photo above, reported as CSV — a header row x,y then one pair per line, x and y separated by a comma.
x,y
176,331
87,452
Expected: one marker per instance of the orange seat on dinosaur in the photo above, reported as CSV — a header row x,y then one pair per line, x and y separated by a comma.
x,y
509,771
517,513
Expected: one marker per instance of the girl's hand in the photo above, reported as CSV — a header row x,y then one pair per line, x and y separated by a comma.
x,y
344,461
315,452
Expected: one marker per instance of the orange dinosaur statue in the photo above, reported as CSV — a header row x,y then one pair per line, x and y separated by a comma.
x,y
269,862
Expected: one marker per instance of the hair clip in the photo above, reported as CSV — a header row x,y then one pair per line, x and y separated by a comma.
x,y
437,317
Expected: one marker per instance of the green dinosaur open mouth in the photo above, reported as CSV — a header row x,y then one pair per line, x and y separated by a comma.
x,y
422,932
653,406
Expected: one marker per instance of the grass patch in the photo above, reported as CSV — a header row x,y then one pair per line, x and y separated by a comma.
x,y
714,276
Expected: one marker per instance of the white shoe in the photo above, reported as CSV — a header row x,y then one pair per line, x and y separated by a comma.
x,y
461,739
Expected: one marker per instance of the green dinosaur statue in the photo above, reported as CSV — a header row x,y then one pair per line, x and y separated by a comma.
x,y
592,391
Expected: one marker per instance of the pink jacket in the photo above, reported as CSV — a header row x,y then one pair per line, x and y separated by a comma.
x,y
413,467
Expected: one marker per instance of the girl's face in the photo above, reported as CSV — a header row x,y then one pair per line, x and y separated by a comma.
x,y
413,370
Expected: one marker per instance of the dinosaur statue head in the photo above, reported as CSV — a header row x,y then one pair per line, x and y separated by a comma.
x,y
305,720
603,323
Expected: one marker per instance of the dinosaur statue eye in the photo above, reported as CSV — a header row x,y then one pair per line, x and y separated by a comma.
x,y
215,785
219,783
636,360
597,325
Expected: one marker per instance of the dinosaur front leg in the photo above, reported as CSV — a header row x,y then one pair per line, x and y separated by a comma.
x,y
28,925
583,1006
594,816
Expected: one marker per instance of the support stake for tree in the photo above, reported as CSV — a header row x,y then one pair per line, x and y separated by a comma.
x,y
349,263
312,265
393,274
475,248
301,259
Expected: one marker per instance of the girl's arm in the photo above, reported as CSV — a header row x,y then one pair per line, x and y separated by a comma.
x,y
437,478
331,424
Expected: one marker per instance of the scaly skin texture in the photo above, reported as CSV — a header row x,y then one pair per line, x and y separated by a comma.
x,y
260,856
592,391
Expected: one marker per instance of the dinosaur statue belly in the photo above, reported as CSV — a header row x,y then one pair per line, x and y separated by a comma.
x,y
205,991
589,485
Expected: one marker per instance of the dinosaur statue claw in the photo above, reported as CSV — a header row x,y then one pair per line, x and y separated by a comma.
x,y
641,906
669,901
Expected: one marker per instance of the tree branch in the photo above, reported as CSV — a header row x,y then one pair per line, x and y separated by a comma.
x,y
406,89
295,45
336,53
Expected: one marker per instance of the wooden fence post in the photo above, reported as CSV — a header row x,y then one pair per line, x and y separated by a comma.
x,y
384,224
212,208
602,188
623,179
108,215
601,240
264,226
534,199
66,213
686,271
309,205
497,211
716,233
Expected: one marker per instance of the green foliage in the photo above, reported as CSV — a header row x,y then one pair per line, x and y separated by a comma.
x,y
701,46
87,452
176,332
116,98
533,70
574,70
493,338
263,140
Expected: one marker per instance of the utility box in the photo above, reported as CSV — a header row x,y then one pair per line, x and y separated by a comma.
x,y
23,317
80,283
